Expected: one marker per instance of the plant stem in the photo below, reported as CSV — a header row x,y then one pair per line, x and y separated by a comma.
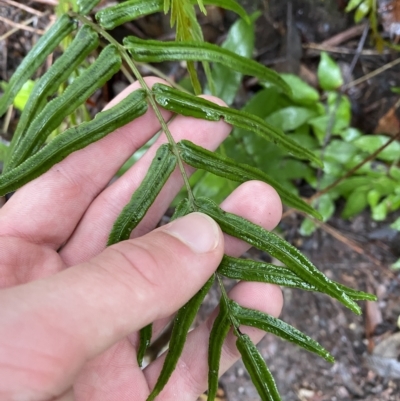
x,y
150,97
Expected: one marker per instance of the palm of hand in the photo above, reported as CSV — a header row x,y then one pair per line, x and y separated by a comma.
x,y
63,219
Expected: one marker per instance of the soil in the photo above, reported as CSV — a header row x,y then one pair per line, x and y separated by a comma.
x,y
361,259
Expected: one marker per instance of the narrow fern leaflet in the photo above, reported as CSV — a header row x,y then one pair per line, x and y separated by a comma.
x,y
84,43
106,65
276,247
251,270
145,335
113,16
160,169
85,6
36,57
254,318
133,106
218,334
189,105
154,51
257,368
182,323
222,166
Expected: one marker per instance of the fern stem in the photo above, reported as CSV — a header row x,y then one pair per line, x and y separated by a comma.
x,y
150,97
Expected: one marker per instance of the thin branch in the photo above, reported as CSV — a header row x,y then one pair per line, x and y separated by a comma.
x,y
23,7
21,26
371,74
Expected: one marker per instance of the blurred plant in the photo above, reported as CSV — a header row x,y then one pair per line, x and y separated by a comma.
x,y
271,111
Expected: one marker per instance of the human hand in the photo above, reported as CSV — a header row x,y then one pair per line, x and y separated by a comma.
x,y
71,311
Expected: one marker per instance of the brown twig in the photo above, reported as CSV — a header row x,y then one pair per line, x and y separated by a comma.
x,y
23,7
342,50
371,74
48,2
346,35
21,26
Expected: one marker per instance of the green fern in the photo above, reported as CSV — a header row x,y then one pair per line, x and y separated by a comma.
x,y
29,156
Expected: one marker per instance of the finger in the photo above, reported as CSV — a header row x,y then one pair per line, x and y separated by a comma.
x,y
259,203
97,222
110,376
46,210
100,302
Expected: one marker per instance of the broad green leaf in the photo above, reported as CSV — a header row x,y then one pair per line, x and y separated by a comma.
x,y
356,202
181,327
350,134
347,186
254,318
251,270
38,54
264,240
302,93
329,74
161,168
105,66
396,224
373,197
85,41
158,51
113,16
290,118
362,11
225,167
340,151
325,205
23,95
189,105
307,228
144,342
371,143
218,334
396,265
380,211
258,370
240,40
85,6
214,187
395,173
133,106
353,4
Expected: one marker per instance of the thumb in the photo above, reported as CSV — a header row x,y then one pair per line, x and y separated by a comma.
x,y
68,318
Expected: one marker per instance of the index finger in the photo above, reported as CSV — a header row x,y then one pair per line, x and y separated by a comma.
x,y
47,210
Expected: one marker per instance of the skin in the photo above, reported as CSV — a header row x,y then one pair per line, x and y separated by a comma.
x,y
71,309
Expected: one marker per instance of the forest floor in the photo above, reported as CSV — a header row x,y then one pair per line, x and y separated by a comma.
x,y
357,252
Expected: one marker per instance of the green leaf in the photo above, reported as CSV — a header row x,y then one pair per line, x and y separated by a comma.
x,y
133,106
218,334
145,335
264,240
85,41
329,74
356,202
38,54
302,93
240,40
111,17
396,224
353,4
258,370
214,187
254,318
362,10
105,66
225,167
189,105
181,327
251,270
161,168
158,51
380,211
290,118
85,6
371,143
23,95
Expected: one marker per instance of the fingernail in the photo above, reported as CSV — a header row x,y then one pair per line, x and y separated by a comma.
x,y
196,230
